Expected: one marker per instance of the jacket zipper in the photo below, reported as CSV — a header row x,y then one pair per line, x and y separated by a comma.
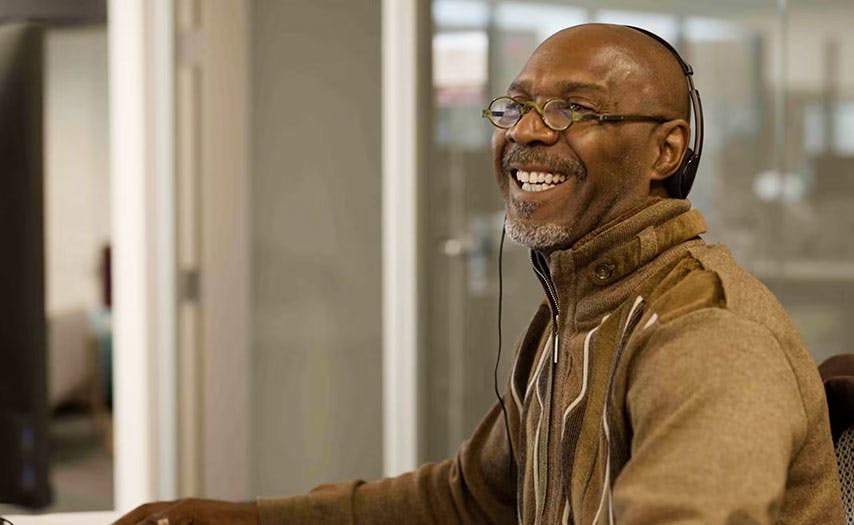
x,y
544,275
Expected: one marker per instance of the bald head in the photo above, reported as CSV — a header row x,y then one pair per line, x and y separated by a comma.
x,y
638,70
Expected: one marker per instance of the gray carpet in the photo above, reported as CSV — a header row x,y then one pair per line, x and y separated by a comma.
x,y
81,468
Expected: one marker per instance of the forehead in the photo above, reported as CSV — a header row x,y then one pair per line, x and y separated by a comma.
x,y
578,64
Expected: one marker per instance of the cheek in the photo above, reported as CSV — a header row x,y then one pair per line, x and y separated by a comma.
x,y
611,160
498,145
595,156
635,149
499,139
499,142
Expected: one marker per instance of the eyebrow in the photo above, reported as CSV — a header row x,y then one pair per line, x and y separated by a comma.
x,y
563,87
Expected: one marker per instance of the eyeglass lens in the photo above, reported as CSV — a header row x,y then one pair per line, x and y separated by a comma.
x,y
505,112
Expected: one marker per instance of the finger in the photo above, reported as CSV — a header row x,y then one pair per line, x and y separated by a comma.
x,y
146,510
171,513
136,515
157,519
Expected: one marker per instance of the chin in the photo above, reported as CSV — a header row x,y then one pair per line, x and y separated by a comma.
x,y
538,236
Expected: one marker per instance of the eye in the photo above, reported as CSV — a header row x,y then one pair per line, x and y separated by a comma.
x,y
579,108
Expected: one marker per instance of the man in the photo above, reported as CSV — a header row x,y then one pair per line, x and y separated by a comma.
x,y
658,382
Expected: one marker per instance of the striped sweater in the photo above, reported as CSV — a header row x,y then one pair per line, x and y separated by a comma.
x,y
658,382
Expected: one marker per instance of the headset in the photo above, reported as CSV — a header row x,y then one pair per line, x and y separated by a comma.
x,y
679,184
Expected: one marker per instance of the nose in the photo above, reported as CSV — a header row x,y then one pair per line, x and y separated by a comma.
x,y
531,129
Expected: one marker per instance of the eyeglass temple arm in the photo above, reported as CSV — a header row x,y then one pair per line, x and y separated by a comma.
x,y
624,118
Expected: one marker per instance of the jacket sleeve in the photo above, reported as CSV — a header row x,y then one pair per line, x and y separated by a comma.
x,y
716,413
474,487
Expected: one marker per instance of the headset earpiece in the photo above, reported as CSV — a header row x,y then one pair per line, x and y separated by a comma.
x,y
689,171
679,184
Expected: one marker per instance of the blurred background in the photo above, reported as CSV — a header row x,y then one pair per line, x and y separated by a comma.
x,y
259,245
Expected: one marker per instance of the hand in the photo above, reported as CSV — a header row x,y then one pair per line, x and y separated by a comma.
x,y
192,511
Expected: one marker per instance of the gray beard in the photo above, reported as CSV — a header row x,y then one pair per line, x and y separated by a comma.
x,y
537,237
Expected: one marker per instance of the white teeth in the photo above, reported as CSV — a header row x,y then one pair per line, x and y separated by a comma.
x,y
538,181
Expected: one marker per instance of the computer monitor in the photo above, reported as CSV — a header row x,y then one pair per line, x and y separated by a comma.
x,y
24,448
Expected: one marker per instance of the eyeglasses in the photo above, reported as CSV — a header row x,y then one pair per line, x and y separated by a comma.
x,y
504,112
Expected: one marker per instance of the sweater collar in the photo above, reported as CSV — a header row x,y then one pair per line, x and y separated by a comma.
x,y
598,269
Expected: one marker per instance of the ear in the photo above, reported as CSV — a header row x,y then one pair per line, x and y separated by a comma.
x,y
671,139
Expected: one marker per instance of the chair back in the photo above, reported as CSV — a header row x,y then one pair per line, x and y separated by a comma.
x,y
845,461
837,373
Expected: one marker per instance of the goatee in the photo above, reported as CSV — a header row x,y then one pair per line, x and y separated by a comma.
x,y
537,236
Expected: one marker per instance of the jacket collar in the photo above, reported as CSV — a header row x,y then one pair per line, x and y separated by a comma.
x,y
603,268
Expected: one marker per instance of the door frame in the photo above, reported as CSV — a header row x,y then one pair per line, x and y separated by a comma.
x,y
400,234
140,36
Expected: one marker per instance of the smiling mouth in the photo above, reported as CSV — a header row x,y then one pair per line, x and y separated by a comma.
x,y
534,181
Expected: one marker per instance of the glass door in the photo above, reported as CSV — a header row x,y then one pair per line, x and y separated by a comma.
x,y
772,183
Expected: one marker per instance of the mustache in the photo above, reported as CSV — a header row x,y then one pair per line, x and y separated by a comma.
x,y
515,155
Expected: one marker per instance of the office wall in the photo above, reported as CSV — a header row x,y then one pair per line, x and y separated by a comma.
x,y
316,245
76,164
77,189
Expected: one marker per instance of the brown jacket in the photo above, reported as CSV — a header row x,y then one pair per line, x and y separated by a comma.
x,y
658,383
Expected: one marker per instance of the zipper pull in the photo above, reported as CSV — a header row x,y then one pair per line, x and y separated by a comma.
x,y
554,338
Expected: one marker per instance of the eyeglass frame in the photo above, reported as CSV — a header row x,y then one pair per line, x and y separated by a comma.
x,y
575,116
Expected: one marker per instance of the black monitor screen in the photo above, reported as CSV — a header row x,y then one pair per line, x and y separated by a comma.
x,y
23,385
